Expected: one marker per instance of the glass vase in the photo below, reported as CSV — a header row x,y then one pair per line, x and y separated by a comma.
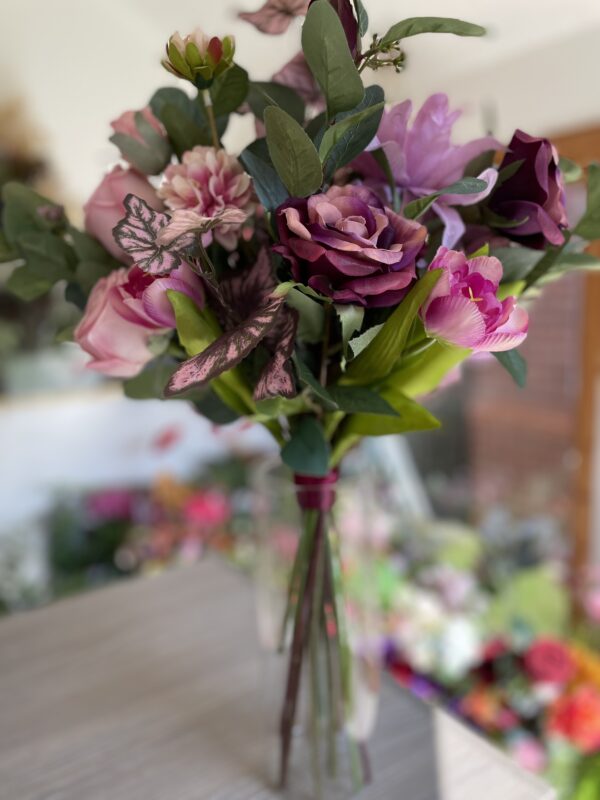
x,y
317,625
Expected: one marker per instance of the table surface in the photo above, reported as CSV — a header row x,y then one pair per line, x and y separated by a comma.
x,y
148,690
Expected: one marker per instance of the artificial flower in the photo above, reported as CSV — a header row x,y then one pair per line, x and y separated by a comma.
x,y
534,195
142,141
463,308
423,159
208,182
198,57
346,245
549,661
275,16
126,124
106,208
124,311
576,717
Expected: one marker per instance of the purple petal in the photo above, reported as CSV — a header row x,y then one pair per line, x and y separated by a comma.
x,y
455,319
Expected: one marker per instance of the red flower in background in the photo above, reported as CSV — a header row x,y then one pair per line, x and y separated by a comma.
x,y
549,661
576,717
207,509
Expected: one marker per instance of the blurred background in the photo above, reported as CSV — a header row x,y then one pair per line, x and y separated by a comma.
x,y
96,487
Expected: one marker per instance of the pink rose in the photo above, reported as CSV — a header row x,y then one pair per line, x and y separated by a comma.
x,y
549,661
105,207
126,124
124,310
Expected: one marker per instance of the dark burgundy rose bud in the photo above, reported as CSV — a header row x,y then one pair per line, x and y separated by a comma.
x,y
535,193
346,245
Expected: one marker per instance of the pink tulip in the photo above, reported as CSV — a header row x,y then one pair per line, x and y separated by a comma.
x,y
105,207
464,310
124,310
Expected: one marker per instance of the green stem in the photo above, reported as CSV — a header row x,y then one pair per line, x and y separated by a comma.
x,y
315,682
211,118
298,576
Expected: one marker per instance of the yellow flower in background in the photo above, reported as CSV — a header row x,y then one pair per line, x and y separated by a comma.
x,y
171,493
587,662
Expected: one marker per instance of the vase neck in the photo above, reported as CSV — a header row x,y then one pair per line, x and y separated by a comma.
x,y
316,494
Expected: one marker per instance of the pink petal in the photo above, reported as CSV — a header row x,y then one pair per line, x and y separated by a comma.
x,y
455,320
454,227
510,335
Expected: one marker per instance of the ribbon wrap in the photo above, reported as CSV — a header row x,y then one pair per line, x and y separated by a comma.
x,y
316,494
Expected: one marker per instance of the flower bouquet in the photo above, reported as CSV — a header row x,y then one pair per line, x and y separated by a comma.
x,y
317,283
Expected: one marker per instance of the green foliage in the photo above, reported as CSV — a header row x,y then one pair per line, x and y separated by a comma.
x,y
264,94
361,400
418,207
421,375
571,171
588,779
26,286
307,379
229,91
151,381
351,319
292,152
588,226
417,25
328,56
362,17
20,214
307,451
267,184
514,363
151,155
184,119
352,132
311,316
409,416
534,599
381,356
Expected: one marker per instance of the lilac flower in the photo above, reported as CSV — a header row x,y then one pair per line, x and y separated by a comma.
x,y
423,160
348,246
534,194
464,310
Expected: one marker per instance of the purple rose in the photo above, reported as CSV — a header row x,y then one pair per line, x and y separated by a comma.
x,y
534,195
345,244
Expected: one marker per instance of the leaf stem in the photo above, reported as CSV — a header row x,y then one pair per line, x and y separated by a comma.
x,y
211,118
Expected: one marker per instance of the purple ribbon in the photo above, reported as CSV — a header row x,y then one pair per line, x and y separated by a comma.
x,y
316,494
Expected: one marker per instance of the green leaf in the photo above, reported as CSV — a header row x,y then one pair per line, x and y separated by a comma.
x,y
7,252
267,184
311,316
360,399
47,255
277,407
421,375
184,119
292,152
20,214
307,452
384,352
382,160
418,207
306,378
571,171
148,160
328,56
229,91
507,172
417,25
360,343
516,261
27,286
89,249
514,363
88,273
264,94
211,406
494,220
588,226
362,17
351,319
410,416
352,127
588,779
151,381
545,264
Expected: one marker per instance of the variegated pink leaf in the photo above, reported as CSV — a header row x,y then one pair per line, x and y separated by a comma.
x,y
275,16
243,290
185,222
227,351
277,378
137,234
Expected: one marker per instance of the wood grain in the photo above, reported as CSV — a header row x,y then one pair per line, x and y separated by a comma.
x,y
151,690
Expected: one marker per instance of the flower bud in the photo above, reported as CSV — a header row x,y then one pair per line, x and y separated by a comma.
x,y
197,58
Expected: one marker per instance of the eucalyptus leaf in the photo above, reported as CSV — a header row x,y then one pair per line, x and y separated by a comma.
x,y
327,54
418,207
588,226
362,17
264,94
514,363
353,131
292,152
229,91
417,25
267,184
21,212
27,286
385,351
47,255
307,451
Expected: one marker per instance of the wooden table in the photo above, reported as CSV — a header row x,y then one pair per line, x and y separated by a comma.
x,y
148,690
